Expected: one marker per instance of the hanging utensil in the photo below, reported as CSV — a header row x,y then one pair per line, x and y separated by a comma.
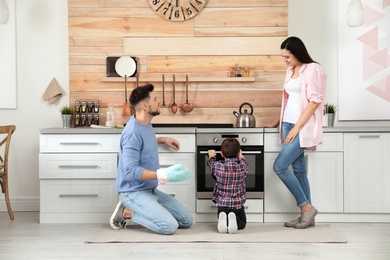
x,y
174,105
187,107
163,90
125,66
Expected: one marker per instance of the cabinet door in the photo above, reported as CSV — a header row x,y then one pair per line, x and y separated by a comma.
x,y
367,172
183,191
325,173
277,198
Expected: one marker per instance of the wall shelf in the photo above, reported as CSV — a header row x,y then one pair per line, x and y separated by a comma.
x,y
182,79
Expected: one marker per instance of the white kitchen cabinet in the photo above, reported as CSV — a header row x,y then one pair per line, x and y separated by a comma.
x,y
77,177
367,172
325,173
183,191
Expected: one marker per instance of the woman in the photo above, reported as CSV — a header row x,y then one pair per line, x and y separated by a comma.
x,y
300,124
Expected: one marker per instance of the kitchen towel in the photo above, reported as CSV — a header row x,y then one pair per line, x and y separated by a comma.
x,y
53,91
207,232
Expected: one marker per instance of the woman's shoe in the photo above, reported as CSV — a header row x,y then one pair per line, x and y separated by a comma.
x,y
307,218
293,223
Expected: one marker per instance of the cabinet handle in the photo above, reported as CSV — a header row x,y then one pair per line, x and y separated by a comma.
x,y
214,207
77,195
243,152
369,136
172,195
78,166
79,143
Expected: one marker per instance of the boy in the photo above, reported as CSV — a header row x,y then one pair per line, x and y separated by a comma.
x,y
229,190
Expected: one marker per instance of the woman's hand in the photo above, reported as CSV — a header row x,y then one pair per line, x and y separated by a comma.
x,y
291,135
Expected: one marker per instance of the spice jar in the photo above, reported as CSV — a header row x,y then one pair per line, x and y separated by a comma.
x,y
232,72
238,72
247,72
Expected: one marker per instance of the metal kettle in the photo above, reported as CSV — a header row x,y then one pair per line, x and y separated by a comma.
x,y
245,119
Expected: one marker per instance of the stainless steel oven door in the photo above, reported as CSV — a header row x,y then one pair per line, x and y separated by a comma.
x,y
254,179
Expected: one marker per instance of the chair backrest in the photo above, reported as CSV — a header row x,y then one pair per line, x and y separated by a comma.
x,y
5,137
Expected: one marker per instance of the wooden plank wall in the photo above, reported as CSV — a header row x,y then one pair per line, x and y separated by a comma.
x,y
227,33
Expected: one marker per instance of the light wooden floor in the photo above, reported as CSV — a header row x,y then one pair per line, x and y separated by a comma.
x,y
24,238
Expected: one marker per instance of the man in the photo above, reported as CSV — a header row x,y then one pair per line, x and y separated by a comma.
x,y
138,172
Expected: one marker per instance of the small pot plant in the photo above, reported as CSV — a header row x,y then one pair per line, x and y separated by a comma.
x,y
67,114
330,108
330,111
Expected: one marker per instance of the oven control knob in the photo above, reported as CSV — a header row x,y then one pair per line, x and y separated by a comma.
x,y
215,140
244,139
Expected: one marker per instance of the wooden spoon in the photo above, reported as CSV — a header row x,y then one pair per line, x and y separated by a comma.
x,y
187,107
126,105
174,105
163,90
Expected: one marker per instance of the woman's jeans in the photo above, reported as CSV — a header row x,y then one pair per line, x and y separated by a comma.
x,y
156,210
296,181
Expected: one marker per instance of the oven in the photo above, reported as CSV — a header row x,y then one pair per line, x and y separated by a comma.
x,y
251,141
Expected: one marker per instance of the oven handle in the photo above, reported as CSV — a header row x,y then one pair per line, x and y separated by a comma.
x,y
243,152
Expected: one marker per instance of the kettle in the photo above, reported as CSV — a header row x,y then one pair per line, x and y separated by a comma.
x,y
245,119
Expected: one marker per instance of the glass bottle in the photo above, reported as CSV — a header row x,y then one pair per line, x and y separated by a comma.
x,y
110,117
238,72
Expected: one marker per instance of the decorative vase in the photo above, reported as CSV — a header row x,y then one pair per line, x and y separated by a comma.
x,y
331,117
67,120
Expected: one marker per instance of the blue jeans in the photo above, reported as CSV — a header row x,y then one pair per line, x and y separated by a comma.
x,y
296,181
156,210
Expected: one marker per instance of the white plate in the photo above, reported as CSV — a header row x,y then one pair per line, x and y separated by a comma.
x,y
125,66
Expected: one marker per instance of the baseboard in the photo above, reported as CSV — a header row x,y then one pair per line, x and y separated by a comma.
x,y
23,204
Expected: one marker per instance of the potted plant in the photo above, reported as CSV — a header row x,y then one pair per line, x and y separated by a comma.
x,y
67,114
330,111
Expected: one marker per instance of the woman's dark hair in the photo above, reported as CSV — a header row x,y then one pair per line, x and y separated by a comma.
x,y
140,93
230,148
297,48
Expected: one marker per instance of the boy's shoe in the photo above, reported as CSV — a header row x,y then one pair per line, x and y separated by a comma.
x,y
232,220
117,221
222,222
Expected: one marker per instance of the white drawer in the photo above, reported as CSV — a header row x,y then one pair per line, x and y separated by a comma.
x,y
77,166
78,196
187,143
73,143
182,192
251,206
330,142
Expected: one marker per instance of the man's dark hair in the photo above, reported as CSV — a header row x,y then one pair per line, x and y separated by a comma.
x,y
140,93
297,48
230,148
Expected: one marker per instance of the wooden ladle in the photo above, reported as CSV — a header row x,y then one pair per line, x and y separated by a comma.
x,y
174,105
187,107
163,90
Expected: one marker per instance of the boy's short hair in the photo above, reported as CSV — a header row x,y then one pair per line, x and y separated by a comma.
x,y
230,148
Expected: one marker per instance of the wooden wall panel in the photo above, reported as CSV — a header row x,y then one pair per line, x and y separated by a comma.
x,y
245,33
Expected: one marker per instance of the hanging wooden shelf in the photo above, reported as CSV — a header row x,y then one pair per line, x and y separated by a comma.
x,y
182,79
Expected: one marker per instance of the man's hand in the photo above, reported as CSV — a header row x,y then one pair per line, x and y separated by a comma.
x,y
174,173
170,142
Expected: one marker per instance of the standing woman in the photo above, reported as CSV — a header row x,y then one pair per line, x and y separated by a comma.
x,y
300,124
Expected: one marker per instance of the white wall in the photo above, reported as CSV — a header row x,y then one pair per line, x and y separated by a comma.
x,y
316,23
42,53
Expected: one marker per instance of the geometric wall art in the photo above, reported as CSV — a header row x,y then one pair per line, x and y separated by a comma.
x,y
364,62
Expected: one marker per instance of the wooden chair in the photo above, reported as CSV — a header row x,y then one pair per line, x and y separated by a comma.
x,y
4,149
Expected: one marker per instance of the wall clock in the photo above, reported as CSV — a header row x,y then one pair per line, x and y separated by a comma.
x,y
177,10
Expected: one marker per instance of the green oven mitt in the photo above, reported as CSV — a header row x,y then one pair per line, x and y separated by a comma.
x,y
174,173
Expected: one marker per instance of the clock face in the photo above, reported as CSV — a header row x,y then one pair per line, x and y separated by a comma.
x,y
177,10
